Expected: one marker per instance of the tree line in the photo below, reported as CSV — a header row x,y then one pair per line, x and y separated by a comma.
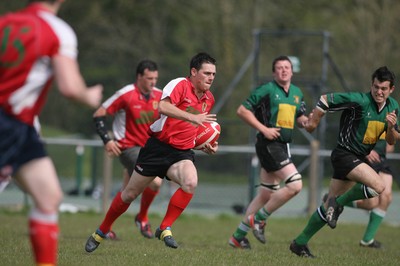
x,y
114,35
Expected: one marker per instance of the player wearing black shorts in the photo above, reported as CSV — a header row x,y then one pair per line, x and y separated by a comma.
x,y
184,106
377,206
273,109
365,117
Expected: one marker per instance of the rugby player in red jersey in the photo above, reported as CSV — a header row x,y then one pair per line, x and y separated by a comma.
x,y
184,106
135,108
37,46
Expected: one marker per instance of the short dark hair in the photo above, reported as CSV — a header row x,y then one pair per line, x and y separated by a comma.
x,y
146,64
199,59
281,58
384,74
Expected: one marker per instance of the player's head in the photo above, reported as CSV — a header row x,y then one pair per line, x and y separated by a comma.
x,y
382,85
281,58
282,70
146,64
146,75
383,74
199,59
202,71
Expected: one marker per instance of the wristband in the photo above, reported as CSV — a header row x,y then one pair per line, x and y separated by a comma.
x,y
322,105
101,128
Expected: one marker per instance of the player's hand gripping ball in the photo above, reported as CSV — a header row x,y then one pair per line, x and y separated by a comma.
x,y
208,134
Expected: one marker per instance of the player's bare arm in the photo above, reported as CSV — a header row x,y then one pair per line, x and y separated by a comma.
x,y
392,135
168,109
316,114
301,121
71,84
247,116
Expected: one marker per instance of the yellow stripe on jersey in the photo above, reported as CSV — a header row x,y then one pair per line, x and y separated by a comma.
x,y
286,116
374,130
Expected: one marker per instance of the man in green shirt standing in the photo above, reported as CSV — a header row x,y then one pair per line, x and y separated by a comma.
x,y
365,117
272,109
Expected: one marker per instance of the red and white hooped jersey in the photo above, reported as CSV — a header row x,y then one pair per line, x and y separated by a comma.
x,y
178,133
30,38
133,115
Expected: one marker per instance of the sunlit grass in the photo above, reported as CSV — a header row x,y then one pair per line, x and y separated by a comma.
x,y
202,240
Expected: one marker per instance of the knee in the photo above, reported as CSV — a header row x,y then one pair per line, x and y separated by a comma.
x,y
155,185
129,195
51,204
294,188
386,198
294,184
377,190
189,185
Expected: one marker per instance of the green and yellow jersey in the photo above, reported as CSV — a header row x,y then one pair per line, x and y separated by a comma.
x,y
273,107
361,122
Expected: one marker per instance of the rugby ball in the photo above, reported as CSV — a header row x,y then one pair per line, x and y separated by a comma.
x,y
208,134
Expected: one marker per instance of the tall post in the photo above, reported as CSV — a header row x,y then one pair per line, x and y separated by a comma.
x,y
80,150
107,178
313,177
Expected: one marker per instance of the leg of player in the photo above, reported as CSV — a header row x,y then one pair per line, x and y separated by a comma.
x,y
119,205
183,173
148,195
266,188
293,185
299,245
377,214
39,179
368,185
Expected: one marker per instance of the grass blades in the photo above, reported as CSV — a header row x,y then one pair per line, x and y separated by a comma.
x,y
202,240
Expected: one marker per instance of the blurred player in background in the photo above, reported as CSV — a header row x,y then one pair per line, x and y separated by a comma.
x,y
272,109
365,117
36,46
135,108
185,105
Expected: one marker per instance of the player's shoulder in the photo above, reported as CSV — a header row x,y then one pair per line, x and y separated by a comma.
x,y
59,26
130,88
296,89
177,83
264,88
393,102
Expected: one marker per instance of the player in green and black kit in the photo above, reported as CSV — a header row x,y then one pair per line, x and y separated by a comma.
x,y
365,117
273,109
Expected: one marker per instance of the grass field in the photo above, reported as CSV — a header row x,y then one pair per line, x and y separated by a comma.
x,y
202,240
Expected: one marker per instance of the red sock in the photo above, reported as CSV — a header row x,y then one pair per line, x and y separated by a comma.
x,y
117,208
44,240
176,206
148,196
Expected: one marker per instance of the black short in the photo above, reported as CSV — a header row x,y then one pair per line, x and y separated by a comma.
x,y
156,157
128,158
382,166
273,155
19,144
343,162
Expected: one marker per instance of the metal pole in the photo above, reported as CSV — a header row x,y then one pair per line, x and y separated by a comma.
x,y
107,180
253,159
313,177
80,150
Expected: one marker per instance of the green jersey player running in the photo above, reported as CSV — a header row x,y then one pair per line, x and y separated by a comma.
x,y
365,117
